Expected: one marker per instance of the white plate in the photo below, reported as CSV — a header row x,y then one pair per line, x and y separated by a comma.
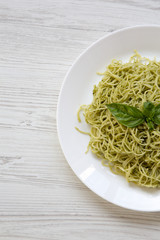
x,y
77,90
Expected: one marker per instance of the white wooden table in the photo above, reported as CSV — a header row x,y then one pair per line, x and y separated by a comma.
x,y
40,197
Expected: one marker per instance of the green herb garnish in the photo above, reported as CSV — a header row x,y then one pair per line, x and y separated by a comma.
x,y
132,117
156,116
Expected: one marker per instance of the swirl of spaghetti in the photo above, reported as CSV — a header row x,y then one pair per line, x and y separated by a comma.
x,y
132,152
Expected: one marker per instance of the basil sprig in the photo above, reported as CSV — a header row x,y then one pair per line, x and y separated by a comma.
x,y
132,117
156,116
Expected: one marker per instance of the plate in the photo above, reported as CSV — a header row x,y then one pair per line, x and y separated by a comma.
x,y
77,89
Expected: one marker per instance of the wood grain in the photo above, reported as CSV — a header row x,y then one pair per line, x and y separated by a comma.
x,y
41,198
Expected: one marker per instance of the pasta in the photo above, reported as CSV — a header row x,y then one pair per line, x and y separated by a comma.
x,y
131,152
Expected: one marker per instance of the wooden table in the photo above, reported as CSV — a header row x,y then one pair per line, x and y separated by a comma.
x,y
40,197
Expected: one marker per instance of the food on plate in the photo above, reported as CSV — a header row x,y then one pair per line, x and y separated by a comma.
x,y
124,119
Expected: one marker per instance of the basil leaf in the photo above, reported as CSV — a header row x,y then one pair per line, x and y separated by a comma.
x,y
126,115
148,109
156,117
150,125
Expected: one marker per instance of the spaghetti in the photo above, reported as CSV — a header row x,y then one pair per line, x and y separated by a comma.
x,y
132,152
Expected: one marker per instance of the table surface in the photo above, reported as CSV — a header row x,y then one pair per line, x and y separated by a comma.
x,y
40,197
